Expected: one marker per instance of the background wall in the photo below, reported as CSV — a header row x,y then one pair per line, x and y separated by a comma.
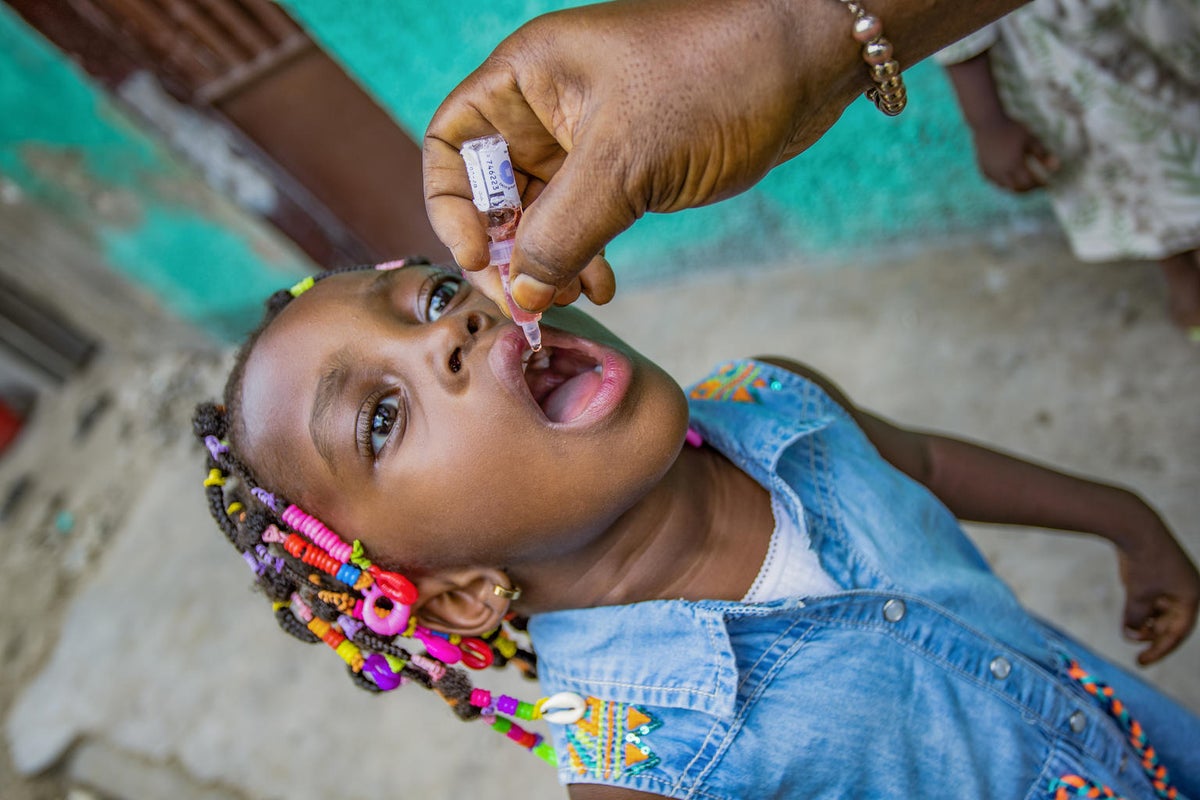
x,y
65,146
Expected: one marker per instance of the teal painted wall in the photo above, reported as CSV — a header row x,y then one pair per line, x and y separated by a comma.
x,y
870,181
152,219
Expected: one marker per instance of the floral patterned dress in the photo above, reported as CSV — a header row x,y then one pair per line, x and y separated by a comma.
x,y
1111,87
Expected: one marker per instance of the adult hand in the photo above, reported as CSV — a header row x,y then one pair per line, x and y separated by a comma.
x,y
617,109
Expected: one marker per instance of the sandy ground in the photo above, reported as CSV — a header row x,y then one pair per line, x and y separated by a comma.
x,y
128,668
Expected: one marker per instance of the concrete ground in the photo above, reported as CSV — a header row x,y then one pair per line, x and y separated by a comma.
x,y
136,663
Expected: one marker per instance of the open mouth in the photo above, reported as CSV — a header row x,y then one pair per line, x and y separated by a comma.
x,y
563,382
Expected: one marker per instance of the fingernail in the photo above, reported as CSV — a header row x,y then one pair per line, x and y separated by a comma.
x,y
531,294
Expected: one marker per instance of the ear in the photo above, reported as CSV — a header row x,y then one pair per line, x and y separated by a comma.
x,y
462,601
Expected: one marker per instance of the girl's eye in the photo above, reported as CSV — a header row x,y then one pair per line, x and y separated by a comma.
x,y
383,420
441,296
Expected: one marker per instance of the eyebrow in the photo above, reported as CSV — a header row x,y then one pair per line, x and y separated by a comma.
x,y
330,387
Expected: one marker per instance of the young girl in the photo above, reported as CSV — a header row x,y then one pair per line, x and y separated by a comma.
x,y
785,606
1098,100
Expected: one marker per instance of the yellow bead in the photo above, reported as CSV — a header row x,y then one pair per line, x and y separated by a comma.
x,y
234,507
350,654
215,478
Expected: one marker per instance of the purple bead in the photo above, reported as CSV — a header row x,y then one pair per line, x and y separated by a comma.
x,y
253,562
215,447
507,705
380,672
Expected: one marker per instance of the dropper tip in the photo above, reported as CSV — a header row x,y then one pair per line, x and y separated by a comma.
x,y
533,335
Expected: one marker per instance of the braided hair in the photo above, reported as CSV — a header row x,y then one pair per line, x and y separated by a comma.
x,y
325,589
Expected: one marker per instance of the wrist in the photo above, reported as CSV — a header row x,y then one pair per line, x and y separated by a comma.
x,y
1128,519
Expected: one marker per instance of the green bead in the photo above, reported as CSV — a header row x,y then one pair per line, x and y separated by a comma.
x,y
502,725
524,711
546,753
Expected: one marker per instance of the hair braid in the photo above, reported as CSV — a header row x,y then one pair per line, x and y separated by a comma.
x,y
319,597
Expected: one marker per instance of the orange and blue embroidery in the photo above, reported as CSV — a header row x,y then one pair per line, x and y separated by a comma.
x,y
738,382
610,740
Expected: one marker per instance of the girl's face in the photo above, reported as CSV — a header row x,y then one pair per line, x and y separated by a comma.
x,y
405,410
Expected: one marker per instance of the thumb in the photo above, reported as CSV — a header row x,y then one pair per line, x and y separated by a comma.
x,y
582,207
1138,616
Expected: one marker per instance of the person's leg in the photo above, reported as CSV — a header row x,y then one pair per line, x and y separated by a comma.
x,y
1182,272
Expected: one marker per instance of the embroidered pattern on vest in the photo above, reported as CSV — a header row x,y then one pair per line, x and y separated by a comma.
x,y
609,741
737,382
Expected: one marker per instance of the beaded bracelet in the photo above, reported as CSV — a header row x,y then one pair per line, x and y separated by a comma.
x,y
888,94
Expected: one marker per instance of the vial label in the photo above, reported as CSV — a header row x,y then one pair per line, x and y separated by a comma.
x,y
489,168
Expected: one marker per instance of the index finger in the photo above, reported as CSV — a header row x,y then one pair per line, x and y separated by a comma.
x,y
448,203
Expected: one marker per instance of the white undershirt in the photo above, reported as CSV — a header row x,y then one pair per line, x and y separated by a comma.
x,y
791,568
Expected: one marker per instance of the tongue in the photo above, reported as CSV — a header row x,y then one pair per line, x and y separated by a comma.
x,y
569,400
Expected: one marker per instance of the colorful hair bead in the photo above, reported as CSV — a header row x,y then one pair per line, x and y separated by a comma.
x,y
300,287
215,478
301,609
317,533
388,625
349,625
506,646
396,587
215,447
234,508
358,556
349,652
476,653
264,497
437,647
507,705
254,563
272,534
481,698
435,670
397,264
339,600
348,574
377,669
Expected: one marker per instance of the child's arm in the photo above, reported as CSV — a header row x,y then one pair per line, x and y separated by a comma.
x,y
982,485
1008,154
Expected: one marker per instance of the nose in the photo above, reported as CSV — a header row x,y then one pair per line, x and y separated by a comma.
x,y
454,341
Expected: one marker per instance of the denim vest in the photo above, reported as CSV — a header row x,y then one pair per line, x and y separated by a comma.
x,y
924,678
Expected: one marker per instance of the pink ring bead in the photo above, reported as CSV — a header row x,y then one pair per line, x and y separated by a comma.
x,y
390,625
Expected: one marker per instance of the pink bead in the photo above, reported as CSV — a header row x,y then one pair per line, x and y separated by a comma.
x,y
867,28
693,438
436,671
480,698
516,733
390,625
273,534
437,647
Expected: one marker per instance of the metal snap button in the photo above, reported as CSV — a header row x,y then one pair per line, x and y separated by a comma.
x,y
1077,721
1000,667
893,610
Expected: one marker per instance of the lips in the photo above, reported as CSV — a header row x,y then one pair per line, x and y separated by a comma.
x,y
571,381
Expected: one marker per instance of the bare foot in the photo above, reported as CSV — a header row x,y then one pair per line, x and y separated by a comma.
x,y
1183,290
